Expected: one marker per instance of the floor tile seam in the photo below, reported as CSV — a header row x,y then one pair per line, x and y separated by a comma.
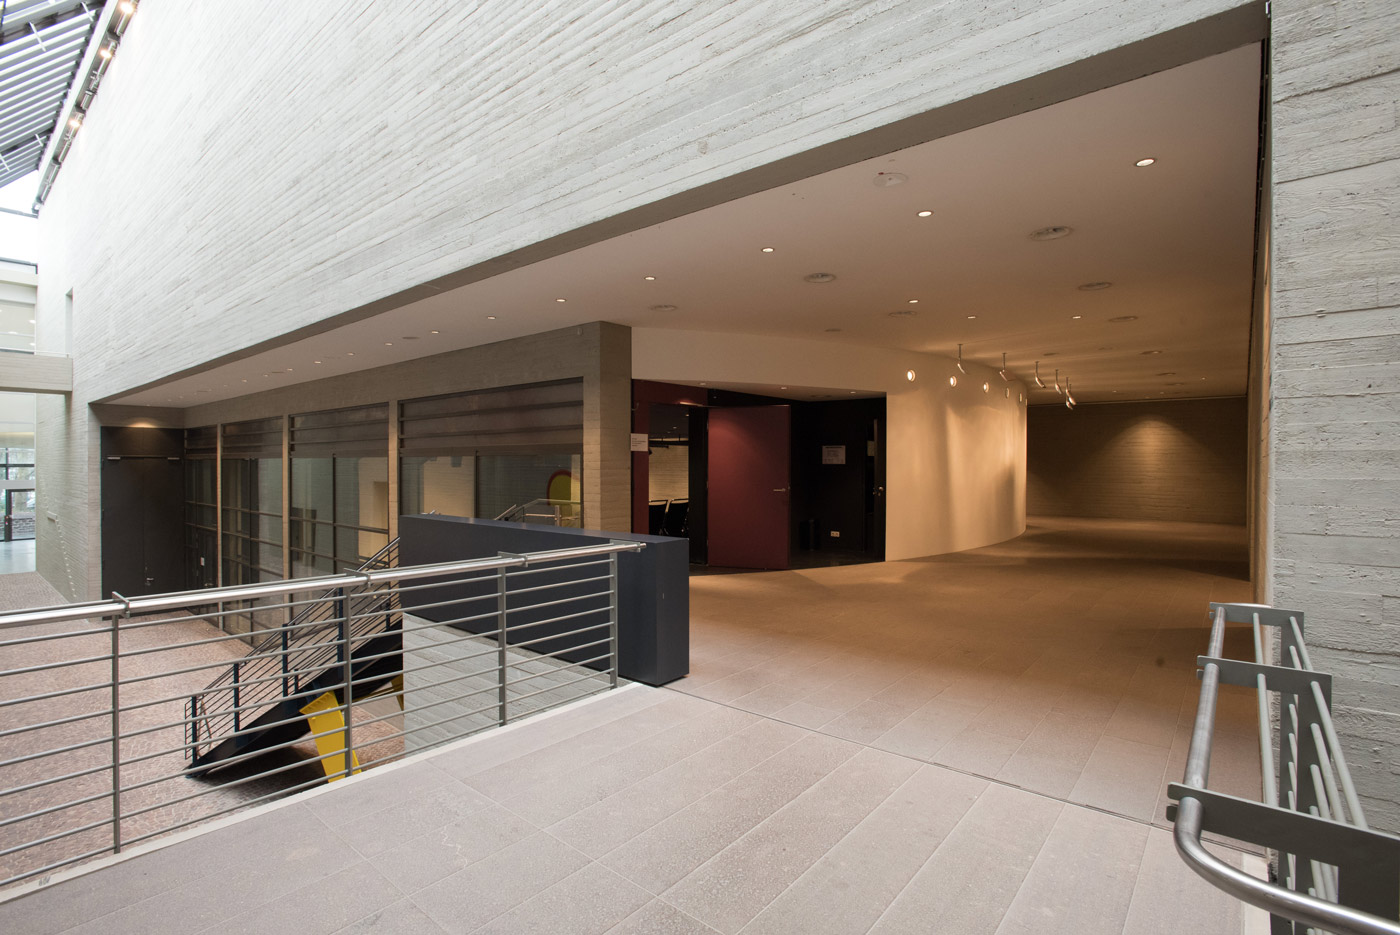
x,y
1137,876
851,831
509,909
711,792
790,803
559,745
992,779
534,829
610,754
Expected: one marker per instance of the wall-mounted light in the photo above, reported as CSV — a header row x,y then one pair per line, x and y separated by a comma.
x,y
1038,381
960,366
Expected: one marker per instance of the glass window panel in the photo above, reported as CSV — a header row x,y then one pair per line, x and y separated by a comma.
x,y
507,481
445,484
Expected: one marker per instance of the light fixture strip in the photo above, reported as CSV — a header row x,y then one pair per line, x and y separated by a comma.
x,y
111,24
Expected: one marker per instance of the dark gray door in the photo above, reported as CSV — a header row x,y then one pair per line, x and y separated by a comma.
x,y
143,505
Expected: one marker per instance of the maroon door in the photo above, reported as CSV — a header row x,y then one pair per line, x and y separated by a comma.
x,y
748,486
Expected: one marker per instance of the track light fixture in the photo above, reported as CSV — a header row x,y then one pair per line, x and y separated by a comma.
x,y
1038,381
1004,377
1069,395
960,366
1058,389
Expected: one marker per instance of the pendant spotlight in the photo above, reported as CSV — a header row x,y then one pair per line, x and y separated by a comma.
x,y
1038,381
1070,402
1004,377
960,366
1058,389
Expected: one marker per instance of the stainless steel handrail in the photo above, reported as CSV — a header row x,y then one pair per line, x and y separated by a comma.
x,y
1346,859
454,667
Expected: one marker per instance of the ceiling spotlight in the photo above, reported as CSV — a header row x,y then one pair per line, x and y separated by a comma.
x,y
105,52
1144,163
767,250
434,332
889,179
649,278
986,387
1004,377
909,375
1038,381
924,214
1058,389
315,361
960,364
388,343
490,317
1075,317
1150,353
75,121
913,301
1008,392
1122,318
819,277
1069,395
953,381
663,308
561,300
1094,286
128,7
1051,233
1020,397
782,387
972,318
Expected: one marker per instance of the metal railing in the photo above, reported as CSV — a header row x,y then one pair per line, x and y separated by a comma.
x,y
96,742
1332,873
545,512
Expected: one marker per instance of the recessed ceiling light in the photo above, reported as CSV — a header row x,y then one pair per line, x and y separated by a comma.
x,y
889,179
349,353
649,278
1145,162
663,308
767,250
952,381
971,317
561,300
1051,233
105,51
704,384
1122,318
1008,392
913,301
315,361
434,332
903,313
853,392
924,214
245,381
75,121
909,375
819,277
289,369
782,387
388,343
1075,317
1150,353
490,317
1095,286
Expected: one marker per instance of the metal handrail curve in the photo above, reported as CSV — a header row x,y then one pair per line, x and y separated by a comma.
x,y
1271,822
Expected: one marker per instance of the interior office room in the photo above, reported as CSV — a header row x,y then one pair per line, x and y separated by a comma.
x,y
965,416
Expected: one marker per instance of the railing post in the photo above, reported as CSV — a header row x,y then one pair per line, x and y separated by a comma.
x,y
237,701
612,616
502,715
348,671
116,736
286,663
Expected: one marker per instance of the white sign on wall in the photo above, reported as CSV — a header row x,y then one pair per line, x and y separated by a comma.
x,y
833,454
639,442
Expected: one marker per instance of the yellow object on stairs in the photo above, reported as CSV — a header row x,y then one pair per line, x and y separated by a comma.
x,y
327,720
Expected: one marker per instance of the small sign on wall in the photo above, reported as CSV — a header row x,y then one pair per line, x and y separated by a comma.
x,y
639,442
833,454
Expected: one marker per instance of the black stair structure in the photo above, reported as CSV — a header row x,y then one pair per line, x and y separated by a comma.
x,y
257,704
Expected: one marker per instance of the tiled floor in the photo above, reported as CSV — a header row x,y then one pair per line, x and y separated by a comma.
x,y
16,556
969,744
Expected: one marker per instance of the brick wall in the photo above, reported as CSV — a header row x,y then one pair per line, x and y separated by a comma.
x,y
1173,460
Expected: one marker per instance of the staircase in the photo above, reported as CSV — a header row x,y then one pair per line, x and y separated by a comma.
x,y
260,702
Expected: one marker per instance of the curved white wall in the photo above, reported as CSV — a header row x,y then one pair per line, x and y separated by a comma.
x,y
956,457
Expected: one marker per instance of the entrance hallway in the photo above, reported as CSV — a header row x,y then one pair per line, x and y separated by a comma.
x,y
1061,662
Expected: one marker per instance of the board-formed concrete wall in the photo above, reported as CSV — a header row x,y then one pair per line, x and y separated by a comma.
x,y
1181,460
234,187
1335,424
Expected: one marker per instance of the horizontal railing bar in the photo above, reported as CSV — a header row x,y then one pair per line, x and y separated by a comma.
x,y
560,636
40,783
582,613
50,637
46,666
39,871
57,751
583,678
104,794
56,836
556,671
46,696
556,584
106,712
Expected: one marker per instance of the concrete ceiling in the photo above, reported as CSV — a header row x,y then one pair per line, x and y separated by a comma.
x,y
1175,240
